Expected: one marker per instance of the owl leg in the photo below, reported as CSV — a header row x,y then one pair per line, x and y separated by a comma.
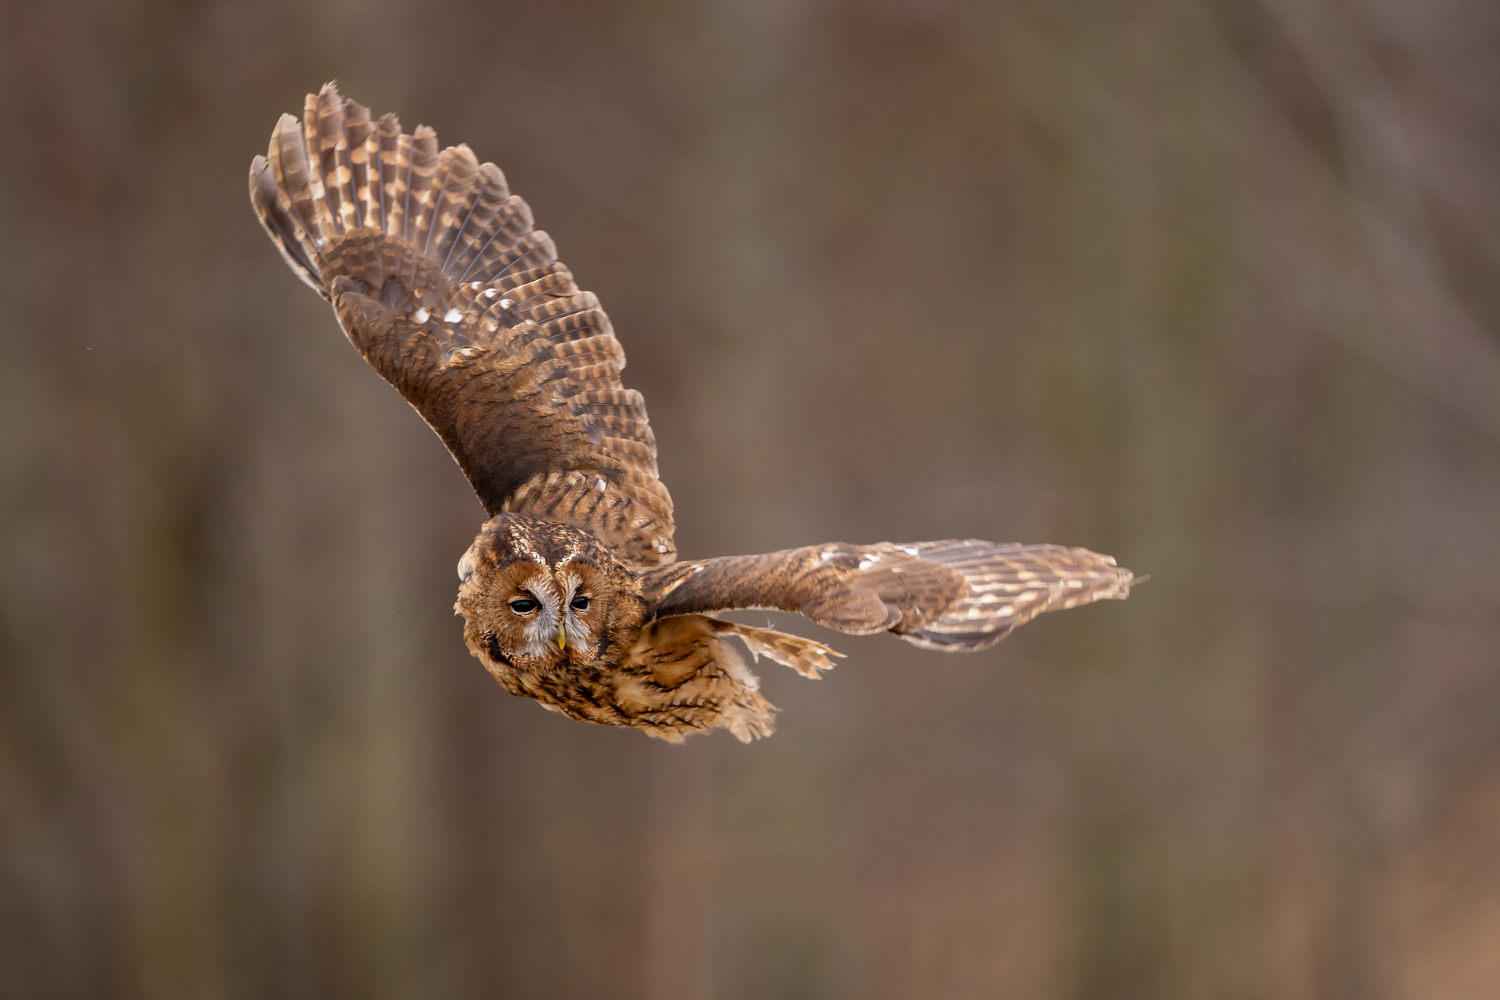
x,y
682,677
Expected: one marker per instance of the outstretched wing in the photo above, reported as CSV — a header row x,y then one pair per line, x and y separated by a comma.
x,y
954,595
440,281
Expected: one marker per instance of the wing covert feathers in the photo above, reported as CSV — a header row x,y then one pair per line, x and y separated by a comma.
x,y
440,280
960,595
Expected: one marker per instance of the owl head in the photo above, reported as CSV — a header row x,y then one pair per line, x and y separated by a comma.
x,y
541,598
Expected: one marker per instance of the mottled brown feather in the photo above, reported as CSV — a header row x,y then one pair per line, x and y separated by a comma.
x,y
952,595
682,678
438,278
569,594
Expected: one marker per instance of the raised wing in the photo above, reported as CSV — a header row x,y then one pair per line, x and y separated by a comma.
x,y
440,281
953,595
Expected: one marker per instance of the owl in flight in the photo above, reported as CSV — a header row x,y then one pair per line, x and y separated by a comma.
x,y
571,594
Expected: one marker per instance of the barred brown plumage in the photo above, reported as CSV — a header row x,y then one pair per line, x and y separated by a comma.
x,y
570,593
955,595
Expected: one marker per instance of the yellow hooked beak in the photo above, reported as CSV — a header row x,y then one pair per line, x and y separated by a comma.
x,y
562,638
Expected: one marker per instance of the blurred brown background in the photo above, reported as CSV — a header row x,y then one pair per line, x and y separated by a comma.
x,y
1211,285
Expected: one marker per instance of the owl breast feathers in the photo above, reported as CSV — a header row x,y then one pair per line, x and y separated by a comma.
x,y
571,593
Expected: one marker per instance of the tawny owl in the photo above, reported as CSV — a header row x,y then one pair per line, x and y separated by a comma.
x,y
571,593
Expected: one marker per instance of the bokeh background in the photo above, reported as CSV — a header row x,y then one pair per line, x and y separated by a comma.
x,y
1211,285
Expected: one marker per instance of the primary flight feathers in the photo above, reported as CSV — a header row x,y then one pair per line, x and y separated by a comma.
x,y
570,593
442,284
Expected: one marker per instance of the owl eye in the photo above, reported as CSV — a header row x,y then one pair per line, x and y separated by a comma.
x,y
579,603
524,606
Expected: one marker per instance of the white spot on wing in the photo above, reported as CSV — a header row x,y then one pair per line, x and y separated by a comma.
x,y
505,303
600,484
452,316
420,315
869,560
910,550
490,293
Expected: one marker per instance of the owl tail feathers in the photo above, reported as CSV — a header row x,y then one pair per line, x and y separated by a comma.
x,y
750,715
340,193
806,657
